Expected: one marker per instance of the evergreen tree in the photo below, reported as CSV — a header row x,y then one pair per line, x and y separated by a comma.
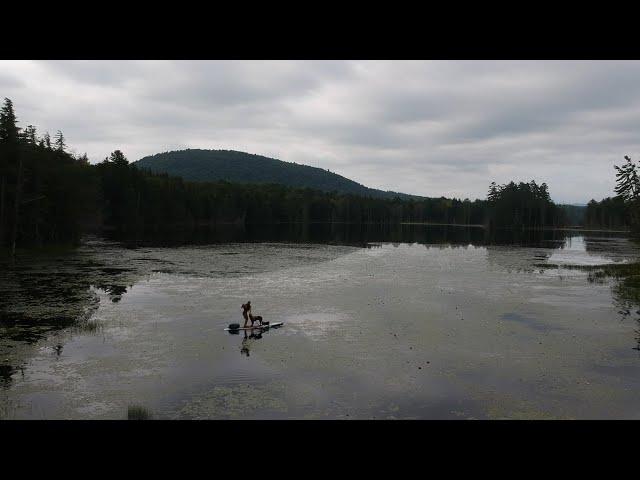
x,y
628,191
523,205
30,134
493,192
47,140
60,145
118,158
544,191
9,131
627,182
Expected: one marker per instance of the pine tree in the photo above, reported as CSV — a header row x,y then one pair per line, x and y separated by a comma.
x,y
628,190
9,131
60,145
47,140
9,138
544,191
627,182
118,158
493,193
29,135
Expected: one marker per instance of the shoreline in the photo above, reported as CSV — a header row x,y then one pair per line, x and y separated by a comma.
x,y
556,229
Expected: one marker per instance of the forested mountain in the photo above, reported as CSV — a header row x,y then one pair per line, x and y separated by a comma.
x,y
240,167
49,196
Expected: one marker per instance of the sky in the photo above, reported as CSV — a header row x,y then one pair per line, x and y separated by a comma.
x,y
430,128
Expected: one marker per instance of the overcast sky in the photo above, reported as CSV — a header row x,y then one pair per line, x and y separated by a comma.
x,y
428,128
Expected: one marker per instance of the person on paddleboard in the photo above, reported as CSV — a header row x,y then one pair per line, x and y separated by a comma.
x,y
246,312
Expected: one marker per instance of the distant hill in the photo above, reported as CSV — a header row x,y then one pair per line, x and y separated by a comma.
x,y
241,167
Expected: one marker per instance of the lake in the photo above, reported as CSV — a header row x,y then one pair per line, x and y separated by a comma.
x,y
417,322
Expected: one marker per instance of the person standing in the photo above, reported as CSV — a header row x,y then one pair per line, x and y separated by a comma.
x,y
246,312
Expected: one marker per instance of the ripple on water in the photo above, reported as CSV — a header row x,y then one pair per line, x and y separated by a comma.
x,y
318,325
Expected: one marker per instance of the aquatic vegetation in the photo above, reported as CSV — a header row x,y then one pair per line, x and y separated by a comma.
x,y
402,331
625,288
238,401
138,412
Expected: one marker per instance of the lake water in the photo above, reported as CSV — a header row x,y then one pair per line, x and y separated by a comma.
x,y
426,322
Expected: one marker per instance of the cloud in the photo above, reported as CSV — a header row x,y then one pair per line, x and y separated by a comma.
x,y
429,128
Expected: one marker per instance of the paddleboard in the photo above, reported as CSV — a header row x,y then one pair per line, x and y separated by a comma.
x,y
256,327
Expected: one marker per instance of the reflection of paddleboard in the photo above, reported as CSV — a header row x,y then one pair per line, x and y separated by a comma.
x,y
256,327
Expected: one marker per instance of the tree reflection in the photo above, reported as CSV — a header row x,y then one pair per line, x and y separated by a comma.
x,y
625,290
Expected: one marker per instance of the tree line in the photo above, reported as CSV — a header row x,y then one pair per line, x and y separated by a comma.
x,y
46,194
621,211
522,205
51,196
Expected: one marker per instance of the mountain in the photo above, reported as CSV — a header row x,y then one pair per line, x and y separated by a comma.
x,y
241,167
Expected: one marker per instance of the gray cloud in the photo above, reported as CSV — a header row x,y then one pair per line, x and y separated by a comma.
x,y
8,82
428,128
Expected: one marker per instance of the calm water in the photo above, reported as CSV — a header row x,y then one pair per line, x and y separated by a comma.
x,y
423,322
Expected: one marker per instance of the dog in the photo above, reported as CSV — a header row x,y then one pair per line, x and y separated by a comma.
x,y
257,318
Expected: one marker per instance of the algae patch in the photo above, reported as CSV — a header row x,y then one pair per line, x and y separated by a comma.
x,y
237,401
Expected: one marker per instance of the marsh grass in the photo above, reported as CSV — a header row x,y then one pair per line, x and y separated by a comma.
x,y
625,289
628,272
138,412
89,327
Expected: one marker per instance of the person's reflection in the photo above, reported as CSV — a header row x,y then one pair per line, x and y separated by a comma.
x,y
248,340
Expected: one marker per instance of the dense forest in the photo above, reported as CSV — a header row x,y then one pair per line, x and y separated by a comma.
x,y
522,205
46,195
623,210
50,196
240,167
610,213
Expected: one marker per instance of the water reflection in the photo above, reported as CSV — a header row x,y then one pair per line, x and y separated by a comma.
x,y
625,292
515,260
585,250
43,293
6,371
249,337
115,292
353,234
248,340
605,260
